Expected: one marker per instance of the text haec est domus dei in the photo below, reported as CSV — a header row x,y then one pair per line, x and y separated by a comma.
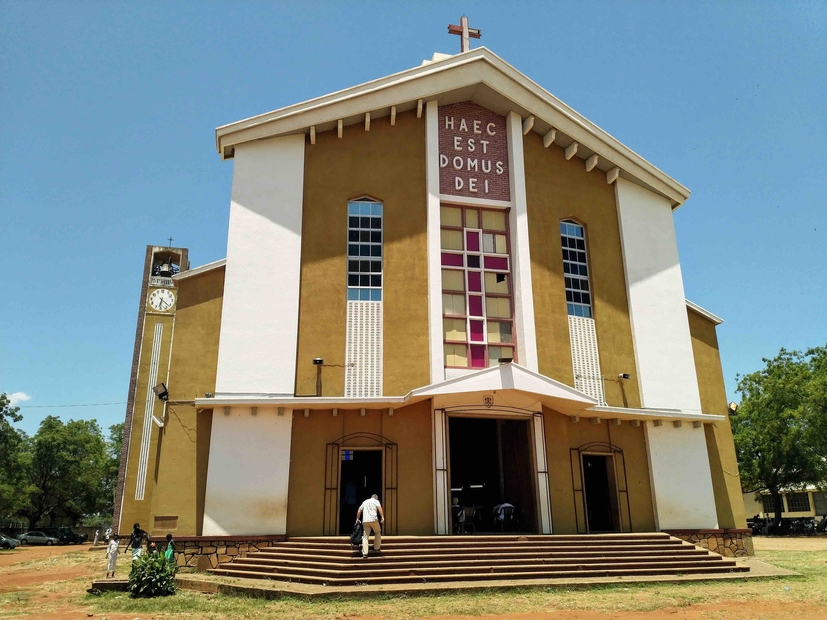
x,y
473,152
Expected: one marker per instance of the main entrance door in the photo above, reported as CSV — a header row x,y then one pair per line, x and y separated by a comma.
x,y
361,477
490,464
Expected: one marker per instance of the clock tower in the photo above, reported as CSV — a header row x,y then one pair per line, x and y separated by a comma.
x,y
145,412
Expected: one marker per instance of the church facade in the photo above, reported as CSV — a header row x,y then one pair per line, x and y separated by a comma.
x,y
445,287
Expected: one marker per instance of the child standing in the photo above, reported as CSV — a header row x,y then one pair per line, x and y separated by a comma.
x,y
111,556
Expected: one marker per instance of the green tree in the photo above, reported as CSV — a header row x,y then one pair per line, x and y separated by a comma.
x,y
13,460
68,471
780,425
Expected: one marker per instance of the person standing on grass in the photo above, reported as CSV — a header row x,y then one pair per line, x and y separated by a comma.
x,y
107,534
136,541
97,535
169,552
111,556
373,515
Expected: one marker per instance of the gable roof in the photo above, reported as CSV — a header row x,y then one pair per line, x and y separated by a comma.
x,y
478,75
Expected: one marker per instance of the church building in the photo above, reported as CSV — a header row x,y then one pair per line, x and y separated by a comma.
x,y
445,287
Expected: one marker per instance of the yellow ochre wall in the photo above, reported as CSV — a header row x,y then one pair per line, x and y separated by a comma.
x,y
561,435
409,427
726,483
557,189
178,468
388,164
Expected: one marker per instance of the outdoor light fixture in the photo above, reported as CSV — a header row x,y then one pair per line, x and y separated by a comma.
x,y
624,375
161,392
732,408
318,362
505,360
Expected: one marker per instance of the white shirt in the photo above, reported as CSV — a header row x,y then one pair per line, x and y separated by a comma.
x,y
112,548
370,510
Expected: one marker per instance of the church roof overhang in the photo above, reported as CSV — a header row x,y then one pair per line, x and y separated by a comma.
x,y
495,380
704,312
197,271
478,75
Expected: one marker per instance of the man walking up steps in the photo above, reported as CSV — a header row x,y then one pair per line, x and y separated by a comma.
x,y
372,516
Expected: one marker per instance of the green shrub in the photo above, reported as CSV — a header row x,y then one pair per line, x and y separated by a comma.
x,y
152,576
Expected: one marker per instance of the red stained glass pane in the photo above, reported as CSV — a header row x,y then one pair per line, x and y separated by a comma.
x,y
474,281
452,260
476,331
472,242
475,305
477,356
494,262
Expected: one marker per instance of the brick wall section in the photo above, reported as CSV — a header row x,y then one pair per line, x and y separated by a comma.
x,y
199,553
728,543
497,151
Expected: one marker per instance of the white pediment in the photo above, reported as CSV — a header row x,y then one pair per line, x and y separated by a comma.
x,y
478,75
509,378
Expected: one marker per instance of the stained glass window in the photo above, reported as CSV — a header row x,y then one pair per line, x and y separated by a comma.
x,y
477,308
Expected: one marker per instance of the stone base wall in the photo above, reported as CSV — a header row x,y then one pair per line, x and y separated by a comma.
x,y
199,553
729,543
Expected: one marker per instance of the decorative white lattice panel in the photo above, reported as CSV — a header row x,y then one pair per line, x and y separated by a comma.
x,y
363,351
584,357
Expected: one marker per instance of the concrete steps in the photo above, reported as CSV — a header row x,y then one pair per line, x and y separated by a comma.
x,y
331,561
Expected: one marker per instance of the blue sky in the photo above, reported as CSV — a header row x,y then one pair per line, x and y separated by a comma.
x,y
108,111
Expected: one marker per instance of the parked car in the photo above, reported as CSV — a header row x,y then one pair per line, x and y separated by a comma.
x,y
7,542
37,538
65,535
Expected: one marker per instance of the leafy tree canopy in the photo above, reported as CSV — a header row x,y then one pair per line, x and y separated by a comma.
x,y
780,427
13,460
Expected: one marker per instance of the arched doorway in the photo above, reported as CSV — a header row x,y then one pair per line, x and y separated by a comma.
x,y
601,498
348,461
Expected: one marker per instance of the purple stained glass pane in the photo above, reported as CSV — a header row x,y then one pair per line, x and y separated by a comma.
x,y
476,331
475,281
477,356
495,262
475,305
472,242
451,260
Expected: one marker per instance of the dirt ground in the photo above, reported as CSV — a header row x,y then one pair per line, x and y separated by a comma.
x,y
26,553
51,580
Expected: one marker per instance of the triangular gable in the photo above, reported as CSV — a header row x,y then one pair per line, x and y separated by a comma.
x,y
477,75
551,393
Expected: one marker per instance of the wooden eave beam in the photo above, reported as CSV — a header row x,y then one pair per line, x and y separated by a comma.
x,y
571,150
528,124
548,139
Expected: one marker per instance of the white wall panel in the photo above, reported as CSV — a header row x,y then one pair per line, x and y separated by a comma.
x,y
681,479
248,472
585,359
434,256
520,252
657,304
363,349
259,321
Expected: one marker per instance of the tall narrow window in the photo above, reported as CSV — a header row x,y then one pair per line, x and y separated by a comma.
x,y
477,310
585,358
576,269
364,250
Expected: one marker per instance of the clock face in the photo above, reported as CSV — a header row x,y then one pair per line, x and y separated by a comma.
x,y
161,299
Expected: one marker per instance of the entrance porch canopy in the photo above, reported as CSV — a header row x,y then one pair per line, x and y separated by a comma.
x,y
500,380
